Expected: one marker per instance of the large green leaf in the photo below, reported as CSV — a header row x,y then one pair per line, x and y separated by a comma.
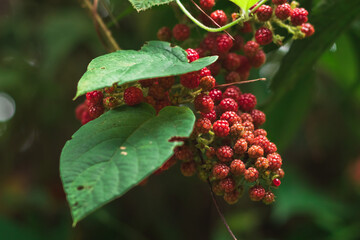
x,y
155,59
245,4
111,154
141,5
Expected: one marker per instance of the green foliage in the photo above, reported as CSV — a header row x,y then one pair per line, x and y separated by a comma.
x,y
111,154
141,5
245,5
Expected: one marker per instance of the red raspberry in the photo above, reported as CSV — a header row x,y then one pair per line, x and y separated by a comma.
x,y
203,103
258,117
259,132
164,34
251,48
283,11
230,117
275,161
157,92
237,167
216,95
192,55
238,43
255,151
150,100
278,2
246,28
183,153
210,153
237,130
216,188
80,109
256,193
257,60
220,171
232,61
166,82
247,102
211,115
201,52
190,80
232,92
207,83
181,32
263,36
224,43
251,174
221,128
270,148
248,126
268,198
240,146
95,97
207,4
232,77
202,125
96,110
147,82
205,72
299,16
209,42
244,69
228,184
215,68
188,169
224,153
262,163
276,182
308,29
280,172
85,117
264,13
232,197
246,117
248,136
133,96
219,17
261,141
228,104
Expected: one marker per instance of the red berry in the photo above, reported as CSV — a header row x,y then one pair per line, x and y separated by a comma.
x,y
232,92
164,34
205,72
85,117
133,96
278,2
181,32
183,153
232,197
110,102
299,16
240,146
166,82
232,77
96,110
188,169
157,92
255,151
237,167
215,68
220,171
246,28
276,182
147,82
246,117
270,148
207,83
248,126
259,132
221,128
244,69
262,163
211,115
190,80
224,153
224,43
202,125
192,55
150,100
283,11
263,36
256,193
308,29
227,184
264,13
257,60
204,103
216,95
160,104
230,117
209,42
268,198
261,141
216,188
248,136
95,97
275,161
232,61
251,48
237,130
251,174
219,17
247,102
80,109
228,104
258,117
280,172
207,4
238,43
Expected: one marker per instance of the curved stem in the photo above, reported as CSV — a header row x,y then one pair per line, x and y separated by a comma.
x,y
257,6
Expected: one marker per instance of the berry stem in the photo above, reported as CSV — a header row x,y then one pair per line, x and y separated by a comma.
x,y
242,82
257,6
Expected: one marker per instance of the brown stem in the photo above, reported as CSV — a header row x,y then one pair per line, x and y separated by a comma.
x,y
242,82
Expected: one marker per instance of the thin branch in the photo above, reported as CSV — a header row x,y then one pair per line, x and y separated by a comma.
x,y
242,82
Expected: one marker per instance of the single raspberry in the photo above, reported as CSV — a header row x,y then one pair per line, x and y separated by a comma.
x,y
258,60
183,153
246,117
110,102
263,36
228,184
95,97
190,80
211,116
207,83
256,193
275,161
202,125
262,163
247,102
299,16
270,148
150,100
219,17
209,41
251,48
188,169
164,34
192,55
216,95
237,167
85,117
248,126
228,104
216,188
236,130
232,77
238,43
308,29
224,43
244,69
232,62
232,197
268,198
220,171
251,174
166,82
205,72
259,132
280,173
276,182
283,11
80,109
96,110
215,68
258,117
264,13
278,2
207,4
232,92
240,146
133,96
255,151
147,82
246,28
210,153
204,103
221,128
230,117
224,153
248,136
261,141
157,92
181,32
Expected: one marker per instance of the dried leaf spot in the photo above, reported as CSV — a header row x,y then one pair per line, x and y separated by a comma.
x,y
122,148
80,188
124,153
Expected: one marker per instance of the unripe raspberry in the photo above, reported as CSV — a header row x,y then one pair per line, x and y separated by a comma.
x,y
280,172
248,136
255,151
237,167
275,161
246,28
95,97
188,169
256,193
230,117
207,4
232,77
221,128
299,16
228,104
278,2
232,61
246,117
261,141
220,171
216,188
133,96
270,148
181,32
228,184
248,126
211,116
251,48
183,153
276,182
85,117
258,117
251,174
240,146
202,125
238,43
308,29
259,132
224,43
232,92
210,153
247,102
232,197
225,153
164,34
192,55
237,130
262,163
215,68
283,11
216,95
203,103
147,82
268,198
205,72
207,83
110,102
190,80
258,60
264,13
96,110
166,82
157,92
263,36
80,109
219,17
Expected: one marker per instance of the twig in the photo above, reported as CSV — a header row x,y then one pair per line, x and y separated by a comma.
x,y
242,82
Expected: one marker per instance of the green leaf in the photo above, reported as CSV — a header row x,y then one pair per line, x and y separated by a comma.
x,y
245,4
155,59
141,5
111,154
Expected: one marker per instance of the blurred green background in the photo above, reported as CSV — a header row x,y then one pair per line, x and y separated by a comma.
x,y
313,115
